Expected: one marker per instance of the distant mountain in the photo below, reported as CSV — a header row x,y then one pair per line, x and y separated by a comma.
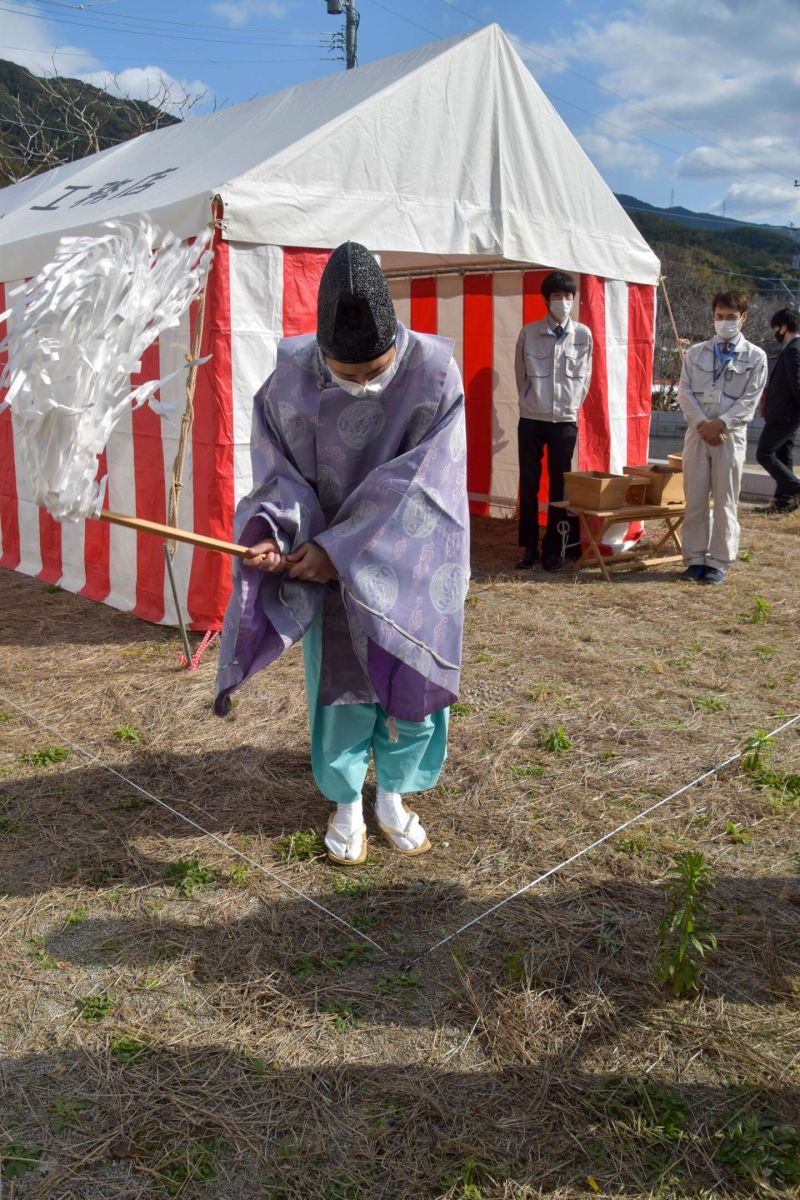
x,y
48,121
694,220
719,251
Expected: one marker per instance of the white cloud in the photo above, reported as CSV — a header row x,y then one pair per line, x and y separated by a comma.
x,y
760,202
239,12
33,42
609,153
149,83
725,70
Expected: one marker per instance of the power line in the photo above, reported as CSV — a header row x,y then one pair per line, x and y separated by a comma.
x,y
214,62
175,37
407,20
121,16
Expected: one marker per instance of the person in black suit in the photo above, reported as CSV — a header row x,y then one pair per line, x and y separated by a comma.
x,y
781,409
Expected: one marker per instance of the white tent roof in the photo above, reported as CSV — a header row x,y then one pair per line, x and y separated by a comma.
x,y
450,150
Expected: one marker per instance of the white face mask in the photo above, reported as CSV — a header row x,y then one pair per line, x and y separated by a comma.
x,y
727,330
560,310
373,388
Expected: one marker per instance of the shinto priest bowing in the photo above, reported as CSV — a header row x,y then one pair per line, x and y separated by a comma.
x,y
358,536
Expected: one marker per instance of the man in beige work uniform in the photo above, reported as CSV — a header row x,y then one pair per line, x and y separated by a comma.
x,y
721,383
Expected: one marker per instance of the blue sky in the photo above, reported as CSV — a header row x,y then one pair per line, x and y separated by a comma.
x,y
694,102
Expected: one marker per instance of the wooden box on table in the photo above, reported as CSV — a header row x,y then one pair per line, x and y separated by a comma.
x,y
664,485
596,490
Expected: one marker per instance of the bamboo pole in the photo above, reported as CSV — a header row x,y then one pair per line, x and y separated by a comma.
x,y
169,533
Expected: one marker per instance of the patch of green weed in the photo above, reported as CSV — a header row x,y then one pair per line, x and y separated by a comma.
x,y
16,1160
302,846
46,757
127,733
97,1007
186,875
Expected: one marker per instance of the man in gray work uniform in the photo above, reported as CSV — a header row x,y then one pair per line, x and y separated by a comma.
x,y
554,370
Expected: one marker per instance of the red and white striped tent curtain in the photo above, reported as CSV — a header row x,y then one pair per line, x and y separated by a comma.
x,y
256,295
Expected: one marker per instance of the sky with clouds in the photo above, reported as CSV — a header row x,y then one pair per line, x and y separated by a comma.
x,y
692,102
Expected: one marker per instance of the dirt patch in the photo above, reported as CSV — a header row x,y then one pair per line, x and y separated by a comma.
x,y
173,1022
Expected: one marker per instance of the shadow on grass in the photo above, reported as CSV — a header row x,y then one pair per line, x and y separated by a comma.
x,y
124,1122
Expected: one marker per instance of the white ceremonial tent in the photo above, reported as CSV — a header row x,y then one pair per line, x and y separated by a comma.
x,y
448,162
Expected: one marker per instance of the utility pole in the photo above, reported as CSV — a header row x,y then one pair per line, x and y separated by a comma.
x,y
347,39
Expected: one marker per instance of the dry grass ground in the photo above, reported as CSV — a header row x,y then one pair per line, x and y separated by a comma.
x,y
235,1043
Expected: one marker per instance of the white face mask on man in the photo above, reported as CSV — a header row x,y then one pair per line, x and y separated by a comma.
x,y
560,310
728,329
373,388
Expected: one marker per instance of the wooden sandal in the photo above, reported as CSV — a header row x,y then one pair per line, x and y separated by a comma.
x,y
411,823
348,841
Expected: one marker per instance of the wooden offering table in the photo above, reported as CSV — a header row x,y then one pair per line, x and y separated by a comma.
x,y
671,514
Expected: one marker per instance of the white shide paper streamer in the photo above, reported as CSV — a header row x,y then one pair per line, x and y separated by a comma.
x,y
80,329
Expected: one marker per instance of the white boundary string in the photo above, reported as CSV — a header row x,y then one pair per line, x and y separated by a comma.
x,y
606,837
182,816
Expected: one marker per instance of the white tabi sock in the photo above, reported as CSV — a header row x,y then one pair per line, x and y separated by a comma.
x,y
393,817
347,821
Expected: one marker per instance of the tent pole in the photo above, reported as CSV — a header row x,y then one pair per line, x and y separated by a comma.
x,y
678,343
181,624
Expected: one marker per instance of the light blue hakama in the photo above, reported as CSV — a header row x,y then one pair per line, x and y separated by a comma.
x,y
345,736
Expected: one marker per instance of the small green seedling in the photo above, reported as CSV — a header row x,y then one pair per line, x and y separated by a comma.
x,y
16,1160
756,751
711,704
129,801
97,1007
762,1149
127,733
746,556
127,1049
526,771
736,834
302,846
460,710
346,1016
758,613
398,982
77,916
186,875
192,1162
39,955
67,1114
683,934
352,885
46,757
557,741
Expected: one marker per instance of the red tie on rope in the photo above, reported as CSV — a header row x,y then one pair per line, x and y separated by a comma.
x,y
193,663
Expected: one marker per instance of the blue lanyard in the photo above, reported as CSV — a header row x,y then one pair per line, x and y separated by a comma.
x,y
723,359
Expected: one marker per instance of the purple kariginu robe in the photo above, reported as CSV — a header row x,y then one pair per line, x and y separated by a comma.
x,y
380,484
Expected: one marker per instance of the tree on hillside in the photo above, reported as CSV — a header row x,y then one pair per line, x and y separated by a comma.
x,y
690,292
49,120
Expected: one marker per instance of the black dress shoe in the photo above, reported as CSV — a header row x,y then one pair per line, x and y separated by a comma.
x,y
553,562
527,561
